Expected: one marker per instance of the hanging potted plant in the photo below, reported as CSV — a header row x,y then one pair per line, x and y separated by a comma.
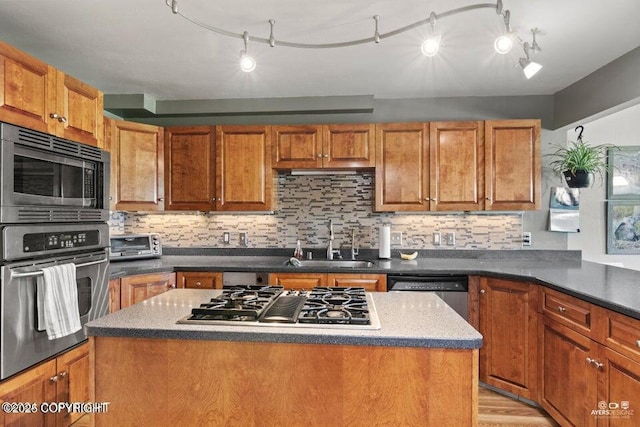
x,y
578,162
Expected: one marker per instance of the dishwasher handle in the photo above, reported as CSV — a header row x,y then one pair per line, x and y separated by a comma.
x,y
428,283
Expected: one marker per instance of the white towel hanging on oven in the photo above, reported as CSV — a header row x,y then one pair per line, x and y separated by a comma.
x,y
58,311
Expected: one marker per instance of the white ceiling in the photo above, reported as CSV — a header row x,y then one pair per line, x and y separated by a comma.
x,y
139,46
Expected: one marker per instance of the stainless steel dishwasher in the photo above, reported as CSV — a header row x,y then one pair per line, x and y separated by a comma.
x,y
230,278
453,290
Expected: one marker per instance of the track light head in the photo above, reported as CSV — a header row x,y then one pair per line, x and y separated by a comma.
x,y
431,45
503,44
529,67
247,63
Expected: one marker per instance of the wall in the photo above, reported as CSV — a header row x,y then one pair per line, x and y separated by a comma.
x,y
307,203
619,128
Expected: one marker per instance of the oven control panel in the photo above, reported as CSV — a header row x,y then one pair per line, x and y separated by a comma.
x,y
37,242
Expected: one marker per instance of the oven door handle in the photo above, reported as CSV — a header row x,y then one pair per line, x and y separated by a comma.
x,y
40,273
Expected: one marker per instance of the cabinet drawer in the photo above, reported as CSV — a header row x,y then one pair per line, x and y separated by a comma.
x,y
619,332
567,310
200,280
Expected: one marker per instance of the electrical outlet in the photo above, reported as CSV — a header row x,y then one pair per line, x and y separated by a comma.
x,y
243,239
226,238
437,238
450,238
526,238
396,238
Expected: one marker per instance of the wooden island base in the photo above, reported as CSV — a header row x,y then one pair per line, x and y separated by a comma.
x,y
163,382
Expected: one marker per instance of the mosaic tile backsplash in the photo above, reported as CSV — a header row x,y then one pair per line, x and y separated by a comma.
x,y
305,206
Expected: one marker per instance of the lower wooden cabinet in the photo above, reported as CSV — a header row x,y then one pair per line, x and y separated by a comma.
x,y
508,323
569,381
371,282
199,279
114,295
134,289
64,379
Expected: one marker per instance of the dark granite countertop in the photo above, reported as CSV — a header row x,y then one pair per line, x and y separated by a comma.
x,y
611,287
407,319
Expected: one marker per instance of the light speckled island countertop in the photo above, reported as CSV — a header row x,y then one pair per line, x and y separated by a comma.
x,y
407,319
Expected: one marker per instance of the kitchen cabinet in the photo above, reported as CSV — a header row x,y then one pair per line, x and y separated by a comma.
x,y
456,155
371,282
402,167
512,165
134,289
38,96
244,178
190,168
114,295
508,321
199,279
593,352
339,146
137,166
64,379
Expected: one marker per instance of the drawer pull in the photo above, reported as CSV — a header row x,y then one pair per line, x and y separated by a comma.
x,y
638,343
198,283
561,309
595,363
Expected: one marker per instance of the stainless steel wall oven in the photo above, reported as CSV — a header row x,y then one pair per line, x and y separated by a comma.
x,y
26,250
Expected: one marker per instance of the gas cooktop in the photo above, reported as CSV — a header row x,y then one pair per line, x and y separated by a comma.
x,y
256,305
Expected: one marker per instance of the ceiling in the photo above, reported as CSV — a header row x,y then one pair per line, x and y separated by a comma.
x,y
133,47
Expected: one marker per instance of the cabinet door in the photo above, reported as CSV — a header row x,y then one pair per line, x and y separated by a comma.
x,y
199,279
190,168
618,387
371,282
512,166
457,166
402,167
569,381
79,108
508,323
134,289
26,86
114,295
137,166
296,147
348,146
35,385
298,280
244,178
73,381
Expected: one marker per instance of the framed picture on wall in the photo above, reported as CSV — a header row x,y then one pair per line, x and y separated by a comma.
x,y
623,182
623,227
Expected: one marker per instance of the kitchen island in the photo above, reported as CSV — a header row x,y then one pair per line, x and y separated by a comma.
x,y
419,368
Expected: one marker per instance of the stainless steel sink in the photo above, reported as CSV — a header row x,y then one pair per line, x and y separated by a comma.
x,y
335,263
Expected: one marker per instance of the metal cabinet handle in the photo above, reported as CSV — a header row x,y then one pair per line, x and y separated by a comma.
x,y
161,199
326,156
62,119
561,309
53,379
62,374
213,199
198,283
595,363
319,155
638,343
482,291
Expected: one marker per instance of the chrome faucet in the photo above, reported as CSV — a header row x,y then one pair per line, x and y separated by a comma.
x,y
330,251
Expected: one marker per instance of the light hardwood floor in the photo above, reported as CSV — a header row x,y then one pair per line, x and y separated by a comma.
x,y
494,410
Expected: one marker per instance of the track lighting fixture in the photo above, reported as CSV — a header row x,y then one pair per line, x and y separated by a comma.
x,y
247,63
430,47
529,67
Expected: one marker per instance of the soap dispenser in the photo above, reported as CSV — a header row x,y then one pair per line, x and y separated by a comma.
x,y
297,253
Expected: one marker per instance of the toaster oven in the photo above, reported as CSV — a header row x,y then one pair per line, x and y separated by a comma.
x,y
135,246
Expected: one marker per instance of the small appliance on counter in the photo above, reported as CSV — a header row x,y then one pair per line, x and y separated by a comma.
x,y
135,246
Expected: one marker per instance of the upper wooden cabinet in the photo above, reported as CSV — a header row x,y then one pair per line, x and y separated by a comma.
x,y
190,168
402,167
137,166
346,146
456,166
244,178
512,167
37,96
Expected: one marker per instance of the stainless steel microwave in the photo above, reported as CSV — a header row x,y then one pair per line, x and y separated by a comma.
x,y
49,179
134,246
